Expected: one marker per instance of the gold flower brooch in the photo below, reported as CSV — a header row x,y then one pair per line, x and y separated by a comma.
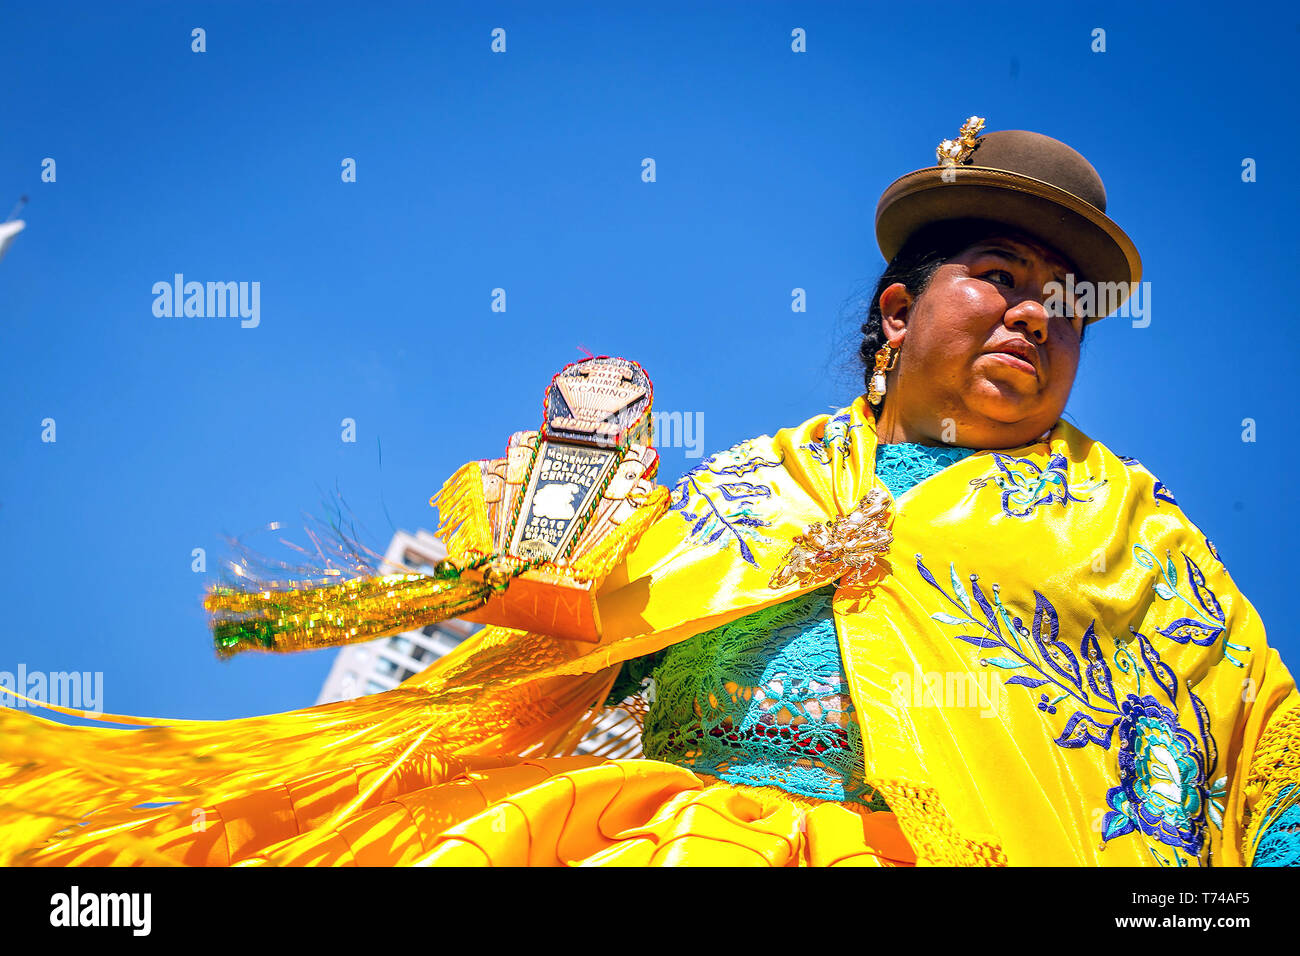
x,y
844,548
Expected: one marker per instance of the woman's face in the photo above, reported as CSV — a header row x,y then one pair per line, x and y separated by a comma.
x,y
954,381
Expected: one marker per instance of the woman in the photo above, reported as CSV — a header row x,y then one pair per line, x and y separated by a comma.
x,y
939,626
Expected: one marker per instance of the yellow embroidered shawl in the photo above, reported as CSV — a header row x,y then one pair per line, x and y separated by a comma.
x,y
1053,667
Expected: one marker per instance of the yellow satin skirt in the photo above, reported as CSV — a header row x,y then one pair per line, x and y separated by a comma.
x,y
491,811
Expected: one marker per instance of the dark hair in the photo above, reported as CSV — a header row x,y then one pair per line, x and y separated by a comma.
x,y
915,265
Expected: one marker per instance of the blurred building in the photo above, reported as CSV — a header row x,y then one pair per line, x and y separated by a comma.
x,y
382,664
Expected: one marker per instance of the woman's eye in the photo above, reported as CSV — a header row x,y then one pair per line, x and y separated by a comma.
x,y
1006,276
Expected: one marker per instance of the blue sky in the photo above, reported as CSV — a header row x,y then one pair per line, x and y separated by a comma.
x,y
522,170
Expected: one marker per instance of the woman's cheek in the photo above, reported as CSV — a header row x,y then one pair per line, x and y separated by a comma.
x,y
1064,363
974,296
986,309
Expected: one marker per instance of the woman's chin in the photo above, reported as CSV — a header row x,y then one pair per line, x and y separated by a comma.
x,y
1003,401
1019,414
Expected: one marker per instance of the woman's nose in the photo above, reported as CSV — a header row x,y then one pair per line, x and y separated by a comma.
x,y
1029,315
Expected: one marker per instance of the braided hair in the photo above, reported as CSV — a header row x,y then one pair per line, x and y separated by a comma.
x,y
914,266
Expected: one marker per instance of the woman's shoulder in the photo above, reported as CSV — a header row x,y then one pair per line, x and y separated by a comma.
x,y
770,449
1083,449
743,491
1147,492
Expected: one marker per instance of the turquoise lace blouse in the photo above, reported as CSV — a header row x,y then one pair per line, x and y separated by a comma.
x,y
763,701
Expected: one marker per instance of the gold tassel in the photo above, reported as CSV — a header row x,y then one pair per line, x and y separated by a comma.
x,y
296,618
462,511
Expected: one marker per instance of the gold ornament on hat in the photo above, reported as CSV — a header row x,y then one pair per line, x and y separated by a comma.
x,y
951,152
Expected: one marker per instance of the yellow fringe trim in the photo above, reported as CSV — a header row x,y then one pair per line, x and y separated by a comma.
x,y
55,777
930,829
595,564
1275,767
568,742
462,511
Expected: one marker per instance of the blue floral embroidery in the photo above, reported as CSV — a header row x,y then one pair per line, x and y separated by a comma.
x,y
1025,486
1160,772
1163,769
733,511
1218,797
1208,623
1160,492
1163,861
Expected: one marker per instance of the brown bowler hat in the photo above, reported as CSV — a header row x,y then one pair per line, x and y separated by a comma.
x,y
1026,180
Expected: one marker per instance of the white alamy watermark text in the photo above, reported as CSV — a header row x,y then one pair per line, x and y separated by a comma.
x,y
679,430
210,300
80,690
1096,300
75,908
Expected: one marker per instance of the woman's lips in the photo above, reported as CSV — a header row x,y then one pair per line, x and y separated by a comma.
x,y
1015,361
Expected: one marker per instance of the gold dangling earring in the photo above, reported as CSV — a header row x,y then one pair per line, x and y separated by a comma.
x,y
886,359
